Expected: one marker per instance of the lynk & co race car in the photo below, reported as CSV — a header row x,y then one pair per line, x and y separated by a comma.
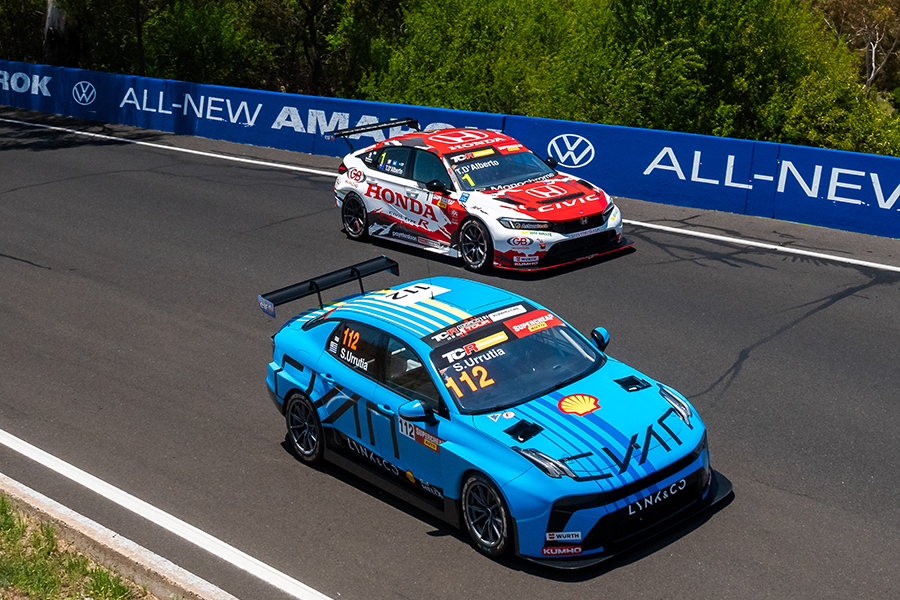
x,y
475,194
487,410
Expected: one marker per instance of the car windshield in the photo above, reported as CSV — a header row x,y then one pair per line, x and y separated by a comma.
x,y
506,364
491,169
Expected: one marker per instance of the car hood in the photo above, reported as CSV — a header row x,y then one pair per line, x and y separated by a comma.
x,y
598,428
561,198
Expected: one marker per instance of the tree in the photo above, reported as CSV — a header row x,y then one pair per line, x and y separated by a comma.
x,y
871,27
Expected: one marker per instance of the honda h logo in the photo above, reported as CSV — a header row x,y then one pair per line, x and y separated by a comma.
x,y
547,192
84,93
459,137
572,151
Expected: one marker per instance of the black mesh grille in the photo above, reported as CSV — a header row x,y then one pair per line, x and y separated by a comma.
x,y
572,249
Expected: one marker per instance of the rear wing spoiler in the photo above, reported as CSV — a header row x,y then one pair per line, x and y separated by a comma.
x,y
316,285
414,123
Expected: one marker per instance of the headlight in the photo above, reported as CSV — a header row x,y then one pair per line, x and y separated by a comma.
x,y
550,466
519,224
681,407
608,211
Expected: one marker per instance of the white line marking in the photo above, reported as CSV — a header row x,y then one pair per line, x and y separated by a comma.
x,y
249,161
177,526
765,246
738,241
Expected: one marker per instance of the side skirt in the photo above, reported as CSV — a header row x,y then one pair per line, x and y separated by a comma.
x,y
449,513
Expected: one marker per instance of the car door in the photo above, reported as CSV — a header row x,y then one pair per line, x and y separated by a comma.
x,y
442,220
407,379
353,363
395,201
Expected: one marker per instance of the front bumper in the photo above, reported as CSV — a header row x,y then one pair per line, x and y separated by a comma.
x,y
623,537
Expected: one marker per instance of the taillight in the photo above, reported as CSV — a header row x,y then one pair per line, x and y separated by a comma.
x,y
342,169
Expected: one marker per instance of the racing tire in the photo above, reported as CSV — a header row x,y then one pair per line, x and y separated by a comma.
x,y
354,217
476,246
305,433
486,516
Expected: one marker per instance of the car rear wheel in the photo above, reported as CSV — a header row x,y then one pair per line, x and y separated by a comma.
x,y
354,217
304,429
486,516
476,246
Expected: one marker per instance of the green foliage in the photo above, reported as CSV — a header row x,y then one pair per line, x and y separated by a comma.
x,y
34,565
759,69
22,29
204,41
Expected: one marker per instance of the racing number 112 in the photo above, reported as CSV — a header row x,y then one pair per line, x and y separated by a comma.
x,y
351,338
481,381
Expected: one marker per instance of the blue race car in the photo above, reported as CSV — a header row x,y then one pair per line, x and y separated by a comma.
x,y
487,410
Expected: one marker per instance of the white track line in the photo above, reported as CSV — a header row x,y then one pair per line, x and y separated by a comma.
x,y
163,519
709,236
765,246
249,161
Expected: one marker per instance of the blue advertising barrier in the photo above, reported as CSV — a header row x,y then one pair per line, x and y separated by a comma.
x,y
842,190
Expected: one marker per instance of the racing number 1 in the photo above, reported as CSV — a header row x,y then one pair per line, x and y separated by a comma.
x,y
482,381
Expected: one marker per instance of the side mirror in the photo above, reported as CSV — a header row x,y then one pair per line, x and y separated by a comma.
x,y
551,162
436,185
601,338
417,412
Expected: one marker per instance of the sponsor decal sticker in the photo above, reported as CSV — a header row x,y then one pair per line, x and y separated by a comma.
x,y
420,436
494,418
509,415
532,322
561,550
564,536
356,175
578,404
463,329
505,313
519,242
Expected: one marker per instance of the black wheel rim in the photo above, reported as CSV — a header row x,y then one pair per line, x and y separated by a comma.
x,y
302,428
474,245
354,216
485,515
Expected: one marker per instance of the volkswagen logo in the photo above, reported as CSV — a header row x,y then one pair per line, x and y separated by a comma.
x,y
459,137
572,151
84,93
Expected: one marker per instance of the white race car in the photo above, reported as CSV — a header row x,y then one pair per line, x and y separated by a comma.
x,y
475,194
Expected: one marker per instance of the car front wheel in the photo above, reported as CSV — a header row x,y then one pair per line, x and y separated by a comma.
x,y
486,516
476,246
354,217
304,429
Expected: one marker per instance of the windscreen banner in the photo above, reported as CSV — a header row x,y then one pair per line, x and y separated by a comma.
x,y
842,190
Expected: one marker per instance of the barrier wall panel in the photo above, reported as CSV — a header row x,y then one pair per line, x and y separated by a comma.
x,y
858,192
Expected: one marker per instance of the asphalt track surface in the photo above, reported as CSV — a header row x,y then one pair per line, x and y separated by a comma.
x,y
131,346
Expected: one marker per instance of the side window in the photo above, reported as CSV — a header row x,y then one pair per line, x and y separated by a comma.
x,y
429,167
394,160
407,375
357,346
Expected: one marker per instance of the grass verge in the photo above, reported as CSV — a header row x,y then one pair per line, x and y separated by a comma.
x,y
36,564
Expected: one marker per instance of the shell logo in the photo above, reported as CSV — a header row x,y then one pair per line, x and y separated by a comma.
x,y
578,404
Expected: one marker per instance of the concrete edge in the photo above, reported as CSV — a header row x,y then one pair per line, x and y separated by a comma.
x,y
161,577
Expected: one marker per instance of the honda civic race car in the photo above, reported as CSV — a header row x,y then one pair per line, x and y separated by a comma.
x,y
487,410
475,194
